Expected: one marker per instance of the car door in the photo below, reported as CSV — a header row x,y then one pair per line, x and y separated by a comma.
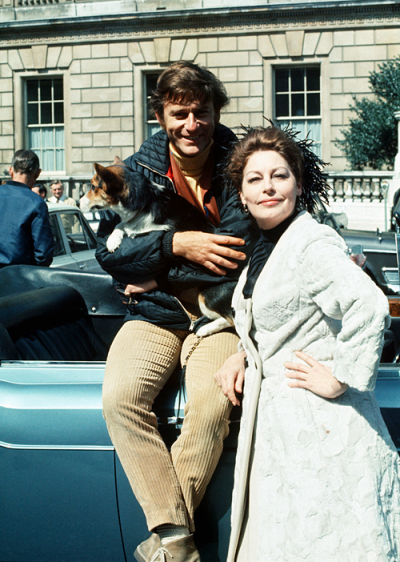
x,y
74,241
57,465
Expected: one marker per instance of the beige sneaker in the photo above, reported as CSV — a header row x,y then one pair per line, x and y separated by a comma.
x,y
181,550
147,548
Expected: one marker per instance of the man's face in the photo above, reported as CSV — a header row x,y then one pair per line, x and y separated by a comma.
x,y
57,190
189,127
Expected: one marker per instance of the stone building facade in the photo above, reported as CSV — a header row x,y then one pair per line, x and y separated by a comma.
x,y
75,76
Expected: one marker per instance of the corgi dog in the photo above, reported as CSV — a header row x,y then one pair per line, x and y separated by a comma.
x,y
145,206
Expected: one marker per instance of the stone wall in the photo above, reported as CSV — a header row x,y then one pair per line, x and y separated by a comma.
x,y
103,59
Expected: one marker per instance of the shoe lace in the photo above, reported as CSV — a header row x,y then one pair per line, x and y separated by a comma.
x,y
160,555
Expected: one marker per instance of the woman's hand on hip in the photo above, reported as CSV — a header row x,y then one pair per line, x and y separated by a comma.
x,y
314,376
230,377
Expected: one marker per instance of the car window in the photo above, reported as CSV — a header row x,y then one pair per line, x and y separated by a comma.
x,y
78,237
59,248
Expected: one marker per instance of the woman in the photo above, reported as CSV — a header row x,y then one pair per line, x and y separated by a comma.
x,y
317,475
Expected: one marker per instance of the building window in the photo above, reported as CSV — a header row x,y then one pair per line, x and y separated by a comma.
x,y
298,101
152,125
45,122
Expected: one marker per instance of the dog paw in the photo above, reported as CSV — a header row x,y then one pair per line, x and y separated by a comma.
x,y
114,240
213,327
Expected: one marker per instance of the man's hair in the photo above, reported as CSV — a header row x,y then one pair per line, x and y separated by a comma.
x,y
25,162
41,188
183,83
55,182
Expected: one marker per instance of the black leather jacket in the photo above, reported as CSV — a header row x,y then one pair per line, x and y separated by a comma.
x,y
148,256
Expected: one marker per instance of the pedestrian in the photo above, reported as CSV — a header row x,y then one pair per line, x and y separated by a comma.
x,y
317,474
25,234
160,268
57,190
41,190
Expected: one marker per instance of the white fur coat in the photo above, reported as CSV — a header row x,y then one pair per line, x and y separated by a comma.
x,y
324,479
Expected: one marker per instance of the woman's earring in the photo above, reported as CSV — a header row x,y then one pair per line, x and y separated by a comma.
x,y
245,209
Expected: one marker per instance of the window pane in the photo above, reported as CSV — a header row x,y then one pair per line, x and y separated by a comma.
x,y
59,137
313,104
151,82
90,243
312,79
59,112
72,227
60,163
301,127
282,80
152,129
284,123
33,114
314,127
45,90
282,105
58,89
47,160
47,138
77,239
32,90
45,113
297,105
59,249
34,139
297,76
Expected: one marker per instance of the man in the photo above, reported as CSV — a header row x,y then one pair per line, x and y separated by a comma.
x,y
57,189
162,267
25,234
41,190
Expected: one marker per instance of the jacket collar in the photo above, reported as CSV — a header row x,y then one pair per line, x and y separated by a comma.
x,y
14,183
154,152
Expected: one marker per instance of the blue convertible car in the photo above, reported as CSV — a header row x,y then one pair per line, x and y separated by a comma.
x,y
63,495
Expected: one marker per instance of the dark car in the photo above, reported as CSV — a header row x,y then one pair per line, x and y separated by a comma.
x,y
378,247
64,496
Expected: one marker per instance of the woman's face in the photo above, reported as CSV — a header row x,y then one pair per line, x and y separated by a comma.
x,y
269,188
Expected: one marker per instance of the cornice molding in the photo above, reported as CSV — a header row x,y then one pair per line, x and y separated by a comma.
x,y
270,18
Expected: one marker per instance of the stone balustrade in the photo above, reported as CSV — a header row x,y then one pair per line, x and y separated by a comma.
x,y
360,186
365,198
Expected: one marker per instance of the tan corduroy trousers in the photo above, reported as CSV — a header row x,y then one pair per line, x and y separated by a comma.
x,y
168,485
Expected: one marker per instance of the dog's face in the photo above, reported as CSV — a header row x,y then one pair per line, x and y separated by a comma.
x,y
108,187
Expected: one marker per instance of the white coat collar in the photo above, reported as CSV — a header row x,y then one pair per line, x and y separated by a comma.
x,y
238,299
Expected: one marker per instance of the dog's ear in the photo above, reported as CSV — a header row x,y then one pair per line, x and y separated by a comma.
x,y
112,183
98,168
118,161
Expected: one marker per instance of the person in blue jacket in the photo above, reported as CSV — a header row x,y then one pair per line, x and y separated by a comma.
x,y
25,234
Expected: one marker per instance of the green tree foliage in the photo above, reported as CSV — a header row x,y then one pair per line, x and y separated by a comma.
x,y
371,138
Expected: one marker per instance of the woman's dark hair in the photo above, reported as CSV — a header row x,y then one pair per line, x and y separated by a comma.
x,y
306,166
184,82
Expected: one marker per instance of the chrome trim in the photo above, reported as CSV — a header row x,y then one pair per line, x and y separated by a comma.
x,y
162,421
393,286
58,447
378,251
